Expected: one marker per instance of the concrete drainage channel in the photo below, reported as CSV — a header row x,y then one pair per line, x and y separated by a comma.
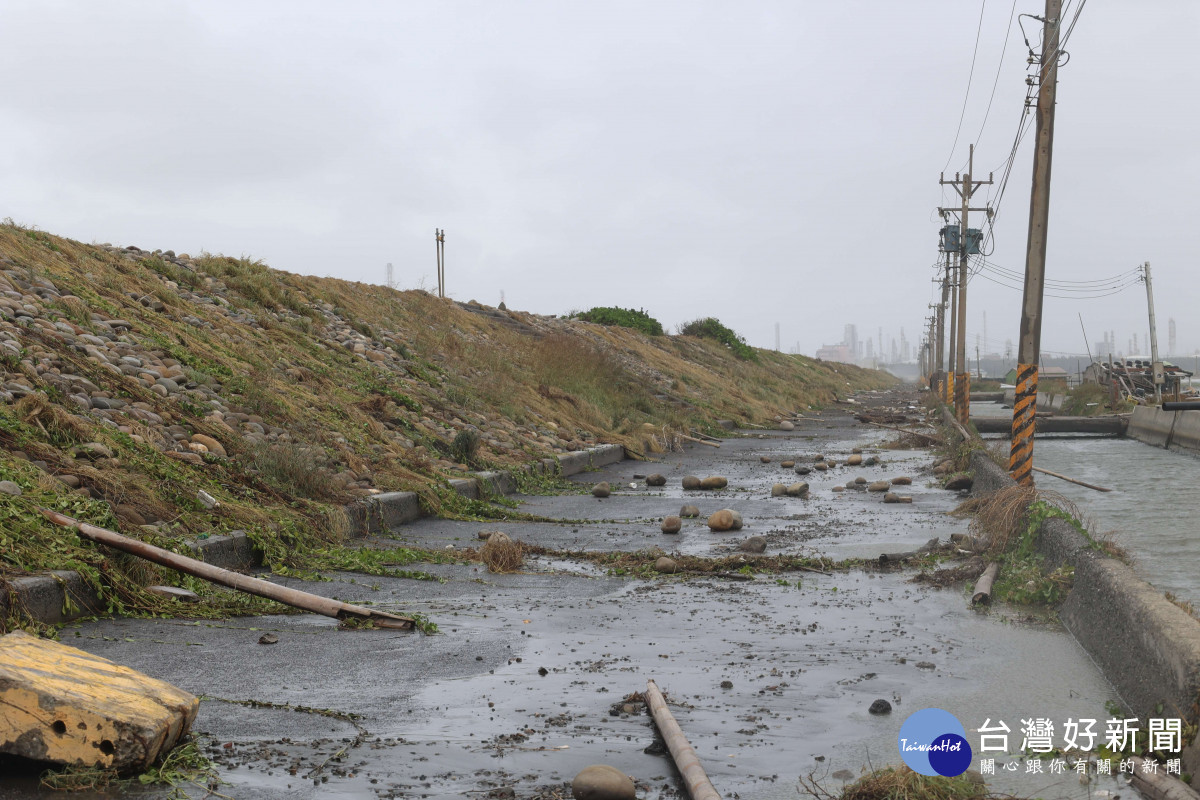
x,y
63,595
1147,647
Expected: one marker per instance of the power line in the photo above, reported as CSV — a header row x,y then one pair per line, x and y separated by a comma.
x,y
967,95
999,67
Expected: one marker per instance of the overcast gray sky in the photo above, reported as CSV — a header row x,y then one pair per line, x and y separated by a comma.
x,y
760,162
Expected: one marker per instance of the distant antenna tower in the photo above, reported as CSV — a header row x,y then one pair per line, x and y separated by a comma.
x,y
391,279
777,336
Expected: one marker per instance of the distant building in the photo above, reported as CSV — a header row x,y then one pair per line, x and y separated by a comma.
x,y
836,352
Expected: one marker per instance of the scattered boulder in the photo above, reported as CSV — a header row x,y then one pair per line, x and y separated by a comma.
x,y
854,460
714,482
803,470
765,459
602,782
860,480
870,461
664,564
787,464
691,482
689,512
721,521
821,466
902,480
892,497
755,544
93,450
601,489
737,519
656,480
878,486
778,490
214,447
798,489
838,489
786,426
856,450
10,488
960,482
672,524
880,707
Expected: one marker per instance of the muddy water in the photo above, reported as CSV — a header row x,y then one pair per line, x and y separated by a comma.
x,y
520,688
1151,510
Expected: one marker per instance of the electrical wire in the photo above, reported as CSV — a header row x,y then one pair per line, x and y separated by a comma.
x,y
970,76
999,67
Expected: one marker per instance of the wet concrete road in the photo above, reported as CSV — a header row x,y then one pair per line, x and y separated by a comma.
x,y
520,687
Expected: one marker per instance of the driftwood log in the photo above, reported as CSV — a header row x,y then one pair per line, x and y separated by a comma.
x,y
983,586
234,580
685,758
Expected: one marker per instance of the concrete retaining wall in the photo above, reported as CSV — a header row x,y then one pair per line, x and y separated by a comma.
x,y
1147,647
1152,425
44,597
1174,430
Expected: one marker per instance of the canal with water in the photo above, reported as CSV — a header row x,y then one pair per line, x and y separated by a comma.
x,y
1151,510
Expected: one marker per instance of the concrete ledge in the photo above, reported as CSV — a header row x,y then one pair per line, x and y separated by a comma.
x,y
44,597
234,551
1144,644
1148,648
383,511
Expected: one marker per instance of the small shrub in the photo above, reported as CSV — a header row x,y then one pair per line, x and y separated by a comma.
x,y
1085,400
626,318
465,445
502,554
711,328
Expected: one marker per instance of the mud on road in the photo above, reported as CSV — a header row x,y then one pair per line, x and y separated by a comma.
x,y
771,678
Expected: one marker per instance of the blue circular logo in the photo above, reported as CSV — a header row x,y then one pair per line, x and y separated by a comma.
x,y
934,742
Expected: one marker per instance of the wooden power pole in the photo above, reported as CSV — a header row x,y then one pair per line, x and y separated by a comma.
x,y
965,185
1020,460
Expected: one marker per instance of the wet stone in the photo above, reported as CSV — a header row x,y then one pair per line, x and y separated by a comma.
x,y
880,706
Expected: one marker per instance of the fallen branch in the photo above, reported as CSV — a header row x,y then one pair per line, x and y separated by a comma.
x,y
1070,480
242,583
929,437
686,761
983,586
687,438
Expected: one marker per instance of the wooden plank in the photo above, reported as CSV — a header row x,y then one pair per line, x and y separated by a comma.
x,y
69,707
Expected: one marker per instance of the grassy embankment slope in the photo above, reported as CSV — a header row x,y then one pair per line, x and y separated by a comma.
x,y
134,380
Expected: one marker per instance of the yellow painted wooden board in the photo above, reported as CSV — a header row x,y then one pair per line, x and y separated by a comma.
x,y
60,704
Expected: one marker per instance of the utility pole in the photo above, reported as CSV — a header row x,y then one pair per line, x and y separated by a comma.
x,y
1020,460
951,356
939,370
966,186
440,236
1155,364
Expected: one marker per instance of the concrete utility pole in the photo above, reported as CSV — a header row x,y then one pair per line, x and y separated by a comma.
x,y
1020,460
1155,364
965,185
951,356
939,369
440,236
